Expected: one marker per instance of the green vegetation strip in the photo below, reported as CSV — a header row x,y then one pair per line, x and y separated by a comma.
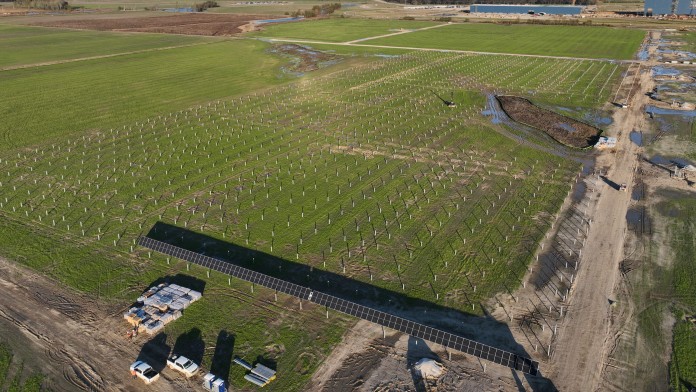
x,y
21,45
680,209
22,379
566,41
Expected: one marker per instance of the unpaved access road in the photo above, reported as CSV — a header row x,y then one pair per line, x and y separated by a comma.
x,y
585,336
71,338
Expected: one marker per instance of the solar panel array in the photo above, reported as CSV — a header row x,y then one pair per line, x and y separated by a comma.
x,y
455,342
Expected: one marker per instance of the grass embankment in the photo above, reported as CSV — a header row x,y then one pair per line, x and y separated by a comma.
x,y
22,45
566,41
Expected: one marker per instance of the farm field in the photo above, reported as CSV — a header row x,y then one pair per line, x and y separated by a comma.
x,y
22,45
567,41
105,92
392,208
359,170
189,23
338,30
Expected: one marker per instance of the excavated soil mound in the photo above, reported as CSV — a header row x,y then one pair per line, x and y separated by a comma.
x,y
564,130
189,23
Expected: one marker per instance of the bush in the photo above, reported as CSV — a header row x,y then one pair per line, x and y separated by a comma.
x,y
53,5
444,19
318,10
200,7
408,18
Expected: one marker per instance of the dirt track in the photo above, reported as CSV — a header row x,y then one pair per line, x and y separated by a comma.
x,y
71,338
585,337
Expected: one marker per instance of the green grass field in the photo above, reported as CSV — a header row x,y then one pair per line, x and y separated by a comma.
x,y
338,30
567,41
102,93
683,363
30,45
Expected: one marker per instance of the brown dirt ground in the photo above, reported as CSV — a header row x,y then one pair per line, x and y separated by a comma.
x,y
73,339
525,112
189,24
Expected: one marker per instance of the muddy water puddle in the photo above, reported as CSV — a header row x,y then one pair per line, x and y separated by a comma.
x,y
579,191
638,220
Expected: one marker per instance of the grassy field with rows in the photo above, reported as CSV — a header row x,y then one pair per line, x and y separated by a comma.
x,y
359,171
101,93
339,30
23,45
566,41
364,172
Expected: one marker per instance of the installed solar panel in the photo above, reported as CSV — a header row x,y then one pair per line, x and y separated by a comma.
x,y
455,342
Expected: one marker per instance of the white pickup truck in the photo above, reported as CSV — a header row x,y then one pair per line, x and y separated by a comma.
x,y
144,372
182,364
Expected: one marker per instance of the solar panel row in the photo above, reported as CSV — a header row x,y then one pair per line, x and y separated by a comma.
x,y
455,342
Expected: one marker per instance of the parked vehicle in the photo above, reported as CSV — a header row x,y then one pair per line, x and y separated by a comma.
x,y
182,364
144,372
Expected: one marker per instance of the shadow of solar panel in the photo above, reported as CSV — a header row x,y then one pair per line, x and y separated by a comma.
x,y
449,340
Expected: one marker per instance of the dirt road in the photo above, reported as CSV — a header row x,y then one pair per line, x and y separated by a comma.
x,y
585,336
71,338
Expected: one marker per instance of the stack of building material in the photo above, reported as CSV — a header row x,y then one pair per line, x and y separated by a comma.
x,y
260,375
162,304
242,363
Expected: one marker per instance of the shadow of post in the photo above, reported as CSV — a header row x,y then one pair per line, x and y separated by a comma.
x,y
497,334
191,345
155,352
222,357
